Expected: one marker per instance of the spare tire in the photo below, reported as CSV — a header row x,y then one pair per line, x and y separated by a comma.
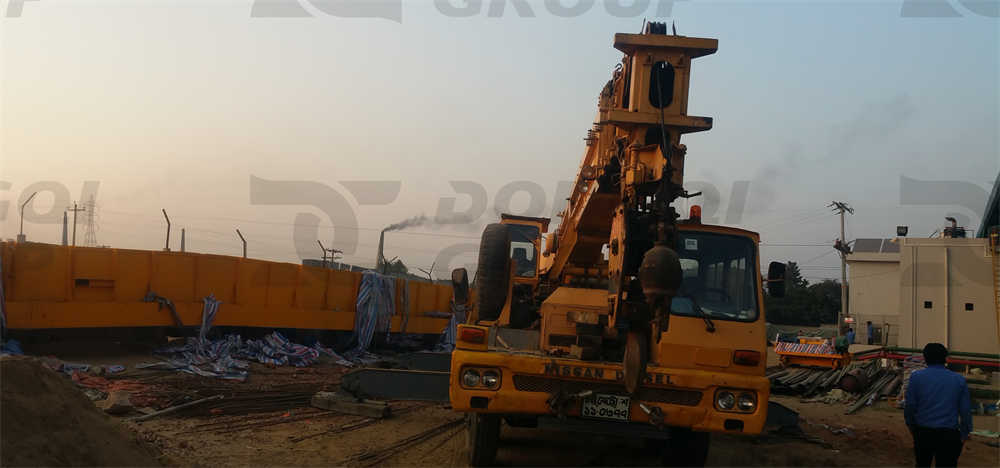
x,y
493,271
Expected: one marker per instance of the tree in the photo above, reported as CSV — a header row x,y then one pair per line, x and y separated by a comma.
x,y
794,277
804,304
396,267
826,295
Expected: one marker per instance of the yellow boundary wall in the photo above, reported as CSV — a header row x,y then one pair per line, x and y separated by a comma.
x,y
52,286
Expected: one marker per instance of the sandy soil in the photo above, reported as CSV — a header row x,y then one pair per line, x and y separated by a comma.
x,y
877,438
46,421
302,436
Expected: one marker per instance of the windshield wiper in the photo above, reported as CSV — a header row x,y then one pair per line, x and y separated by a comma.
x,y
709,325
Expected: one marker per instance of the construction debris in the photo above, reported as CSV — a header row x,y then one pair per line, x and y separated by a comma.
x,y
859,384
174,409
229,357
349,405
372,458
910,365
140,394
806,382
117,403
355,425
885,379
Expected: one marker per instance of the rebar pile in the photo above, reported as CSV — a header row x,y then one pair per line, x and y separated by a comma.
x,y
805,381
259,402
865,382
270,389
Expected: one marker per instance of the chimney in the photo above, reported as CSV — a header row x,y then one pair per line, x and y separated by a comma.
x,y
380,259
65,239
954,231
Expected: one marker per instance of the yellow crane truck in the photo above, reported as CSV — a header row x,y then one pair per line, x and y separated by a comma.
x,y
626,319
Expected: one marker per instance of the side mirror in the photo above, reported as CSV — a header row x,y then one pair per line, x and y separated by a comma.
x,y
460,285
776,279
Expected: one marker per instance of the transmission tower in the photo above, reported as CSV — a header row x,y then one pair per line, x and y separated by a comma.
x,y
90,236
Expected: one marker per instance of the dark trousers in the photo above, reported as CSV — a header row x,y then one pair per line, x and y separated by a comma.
x,y
940,445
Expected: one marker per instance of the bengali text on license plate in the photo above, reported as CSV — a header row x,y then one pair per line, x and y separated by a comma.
x,y
605,406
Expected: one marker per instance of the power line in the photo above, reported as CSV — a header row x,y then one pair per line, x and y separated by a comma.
x,y
323,226
75,210
828,252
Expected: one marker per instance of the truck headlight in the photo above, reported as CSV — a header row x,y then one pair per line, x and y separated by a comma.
x,y
470,378
725,400
491,379
746,402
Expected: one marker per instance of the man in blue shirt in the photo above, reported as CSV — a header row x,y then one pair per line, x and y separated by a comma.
x,y
850,336
937,410
871,333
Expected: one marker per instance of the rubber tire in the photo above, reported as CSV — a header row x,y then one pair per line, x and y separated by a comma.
x,y
493,271
636,358
483,438
686,448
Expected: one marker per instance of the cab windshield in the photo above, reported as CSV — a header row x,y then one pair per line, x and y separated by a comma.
x,y
720,277
522,249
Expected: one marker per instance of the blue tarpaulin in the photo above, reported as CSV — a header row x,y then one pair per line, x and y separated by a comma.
x,y
11,347
375,308
230,357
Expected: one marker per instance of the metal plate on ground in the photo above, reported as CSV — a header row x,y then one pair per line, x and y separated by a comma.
x,y
605,406
426,360
396,384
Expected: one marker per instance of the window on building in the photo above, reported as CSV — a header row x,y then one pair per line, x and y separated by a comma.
x,y
928,304
969,306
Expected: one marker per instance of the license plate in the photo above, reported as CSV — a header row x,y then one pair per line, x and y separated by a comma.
x,y
604,406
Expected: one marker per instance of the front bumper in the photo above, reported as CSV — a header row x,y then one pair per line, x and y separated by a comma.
x,y
685,396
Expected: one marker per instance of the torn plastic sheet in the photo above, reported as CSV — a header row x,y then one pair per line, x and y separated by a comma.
x,y
374,311
230,357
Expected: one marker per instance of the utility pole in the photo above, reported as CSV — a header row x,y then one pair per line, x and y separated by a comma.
x,y
841,245
182,239
20,236
332,252
166,247
238,233
324,251
75,210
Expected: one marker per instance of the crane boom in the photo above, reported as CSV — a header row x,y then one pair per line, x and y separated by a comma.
x,y
631,173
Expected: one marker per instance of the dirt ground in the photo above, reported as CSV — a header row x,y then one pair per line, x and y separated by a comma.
x,y
297,435
45,420
877,438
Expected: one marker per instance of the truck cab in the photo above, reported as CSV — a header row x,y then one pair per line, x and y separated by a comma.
x,y
706,371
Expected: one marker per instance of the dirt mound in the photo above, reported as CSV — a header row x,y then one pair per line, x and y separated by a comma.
x,y
46,421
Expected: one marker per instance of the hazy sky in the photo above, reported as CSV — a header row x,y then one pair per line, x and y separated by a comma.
x,y
178,104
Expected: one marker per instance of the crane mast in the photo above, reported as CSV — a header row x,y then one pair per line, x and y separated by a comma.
x,y
632,172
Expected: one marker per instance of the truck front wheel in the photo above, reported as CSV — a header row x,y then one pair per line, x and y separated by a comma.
x,y
484,436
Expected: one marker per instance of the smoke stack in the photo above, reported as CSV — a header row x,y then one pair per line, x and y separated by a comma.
x,y
65,238
380,259
953,231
